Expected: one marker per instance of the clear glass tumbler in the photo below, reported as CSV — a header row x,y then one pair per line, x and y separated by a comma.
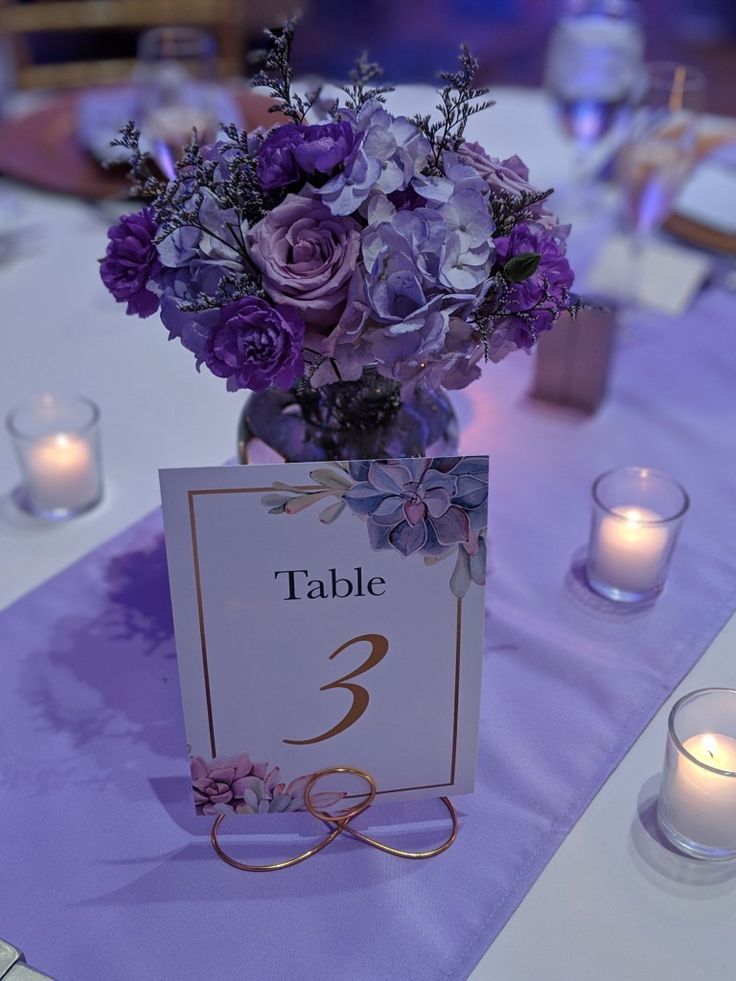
x,y
57,442
697,798
637,515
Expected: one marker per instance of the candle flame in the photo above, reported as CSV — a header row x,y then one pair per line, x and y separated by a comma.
x,y
61,440
710,746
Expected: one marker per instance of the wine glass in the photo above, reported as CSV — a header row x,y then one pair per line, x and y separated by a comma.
x,y
593,62
658,153
659,150
176,74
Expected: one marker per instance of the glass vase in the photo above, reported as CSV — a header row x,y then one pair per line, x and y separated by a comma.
x,y
352,420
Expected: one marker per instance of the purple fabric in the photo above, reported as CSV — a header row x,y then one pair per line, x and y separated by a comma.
x,y
106,872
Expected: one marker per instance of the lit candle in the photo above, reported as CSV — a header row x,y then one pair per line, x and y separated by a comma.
x,y
698,802
631,551
61,473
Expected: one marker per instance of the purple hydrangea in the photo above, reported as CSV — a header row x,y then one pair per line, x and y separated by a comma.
x,y
543,293
421,267
417,506
391,154
255,345
131,262
455,365
292,153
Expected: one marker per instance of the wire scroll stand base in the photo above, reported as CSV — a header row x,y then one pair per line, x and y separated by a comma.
x,y
338,823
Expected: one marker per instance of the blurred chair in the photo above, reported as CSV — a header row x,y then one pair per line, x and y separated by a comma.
x,y
77,18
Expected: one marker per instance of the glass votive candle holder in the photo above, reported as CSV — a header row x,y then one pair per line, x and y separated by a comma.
x,y
697,799
637,515
57,442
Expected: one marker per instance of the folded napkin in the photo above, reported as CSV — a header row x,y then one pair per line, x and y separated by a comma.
x,y
709,195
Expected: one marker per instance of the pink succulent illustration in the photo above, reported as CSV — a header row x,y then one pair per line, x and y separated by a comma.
x,y
237,785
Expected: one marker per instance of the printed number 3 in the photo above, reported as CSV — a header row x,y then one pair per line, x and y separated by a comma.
x,y
379,649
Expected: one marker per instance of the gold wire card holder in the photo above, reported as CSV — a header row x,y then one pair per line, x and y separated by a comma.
x,y
337,823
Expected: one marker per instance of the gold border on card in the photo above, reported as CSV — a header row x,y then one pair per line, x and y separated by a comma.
x,y
203,636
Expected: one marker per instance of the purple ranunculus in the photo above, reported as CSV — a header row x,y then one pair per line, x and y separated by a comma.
x,y
292,153
256,345
131,262
413,506
306,256
553,276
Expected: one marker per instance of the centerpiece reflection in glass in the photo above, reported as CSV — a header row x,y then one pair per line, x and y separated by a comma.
x,y
347,272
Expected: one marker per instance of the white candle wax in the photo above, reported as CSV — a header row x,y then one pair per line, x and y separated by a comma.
x,y
61,473
700,803
630,552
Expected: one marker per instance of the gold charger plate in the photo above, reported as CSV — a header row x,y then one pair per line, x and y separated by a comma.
x,y
694,232
41,148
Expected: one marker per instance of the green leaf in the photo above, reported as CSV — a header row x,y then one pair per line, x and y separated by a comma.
x,y
274,500
297,504
460,578
521,266
331,512
331,478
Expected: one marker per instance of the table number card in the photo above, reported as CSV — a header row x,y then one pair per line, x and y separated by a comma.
x,y
328,614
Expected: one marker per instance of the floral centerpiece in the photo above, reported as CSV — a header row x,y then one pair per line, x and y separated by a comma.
x,y
346,271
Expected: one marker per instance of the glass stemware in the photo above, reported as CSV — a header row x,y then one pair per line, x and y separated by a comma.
x,y
593,61
657,155
176,74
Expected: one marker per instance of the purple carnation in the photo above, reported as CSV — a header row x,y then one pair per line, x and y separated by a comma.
x,y
256,345
293,153
546,291
131,262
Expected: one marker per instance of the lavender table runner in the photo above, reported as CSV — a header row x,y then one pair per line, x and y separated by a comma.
x,y
105,872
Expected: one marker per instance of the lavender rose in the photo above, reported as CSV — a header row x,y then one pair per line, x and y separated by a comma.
x,y
307,256
292,153
131,262
256,345
509,176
